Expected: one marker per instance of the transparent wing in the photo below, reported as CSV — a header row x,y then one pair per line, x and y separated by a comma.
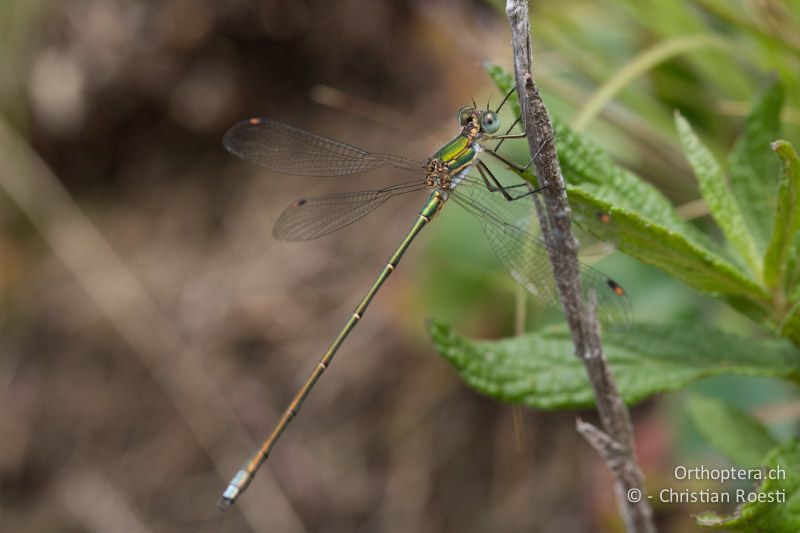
x,y
294,151
309,218
510,227
520,212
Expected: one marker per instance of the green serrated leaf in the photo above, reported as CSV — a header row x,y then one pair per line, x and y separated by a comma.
x,y
540,370
718,195
585,165
644,223
664,248
732,431
751,168
787,218
779,510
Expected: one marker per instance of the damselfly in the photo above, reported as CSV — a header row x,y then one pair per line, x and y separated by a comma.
x,y
504,212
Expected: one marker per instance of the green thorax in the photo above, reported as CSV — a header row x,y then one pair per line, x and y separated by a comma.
x,y
458,153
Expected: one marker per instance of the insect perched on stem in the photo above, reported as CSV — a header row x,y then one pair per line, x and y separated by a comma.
x,y
504,212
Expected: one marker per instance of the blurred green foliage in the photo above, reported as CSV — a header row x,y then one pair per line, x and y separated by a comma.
x,y
731,430
724,49
769,513
540,370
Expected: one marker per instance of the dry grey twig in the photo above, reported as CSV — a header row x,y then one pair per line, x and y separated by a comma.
x,y
615,441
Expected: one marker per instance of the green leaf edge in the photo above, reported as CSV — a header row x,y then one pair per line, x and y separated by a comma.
x,y
751,168
681,257
787,218
467,355
718,195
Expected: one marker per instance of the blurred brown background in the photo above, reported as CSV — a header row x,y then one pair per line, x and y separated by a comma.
x,y
153,330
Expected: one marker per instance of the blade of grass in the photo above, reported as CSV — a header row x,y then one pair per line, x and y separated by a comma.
x,y
640,64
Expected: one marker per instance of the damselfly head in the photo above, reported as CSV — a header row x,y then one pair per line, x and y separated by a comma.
x,y
487,121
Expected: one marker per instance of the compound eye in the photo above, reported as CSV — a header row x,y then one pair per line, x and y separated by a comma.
x,y
490,122
465,115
